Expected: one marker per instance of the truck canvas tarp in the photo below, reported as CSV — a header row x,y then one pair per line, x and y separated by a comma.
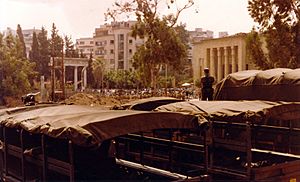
x,y
88,126
280,84
237,111
148,104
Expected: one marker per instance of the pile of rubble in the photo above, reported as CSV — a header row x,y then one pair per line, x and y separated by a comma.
x,y
92,100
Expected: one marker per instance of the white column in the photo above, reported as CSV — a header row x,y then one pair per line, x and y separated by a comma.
x,y
212,63
75,78
85,77
240,59
233,59
219,76
226,63
206,63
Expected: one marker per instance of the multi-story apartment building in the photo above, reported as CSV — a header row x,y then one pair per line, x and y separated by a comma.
x,y
85,46
112,42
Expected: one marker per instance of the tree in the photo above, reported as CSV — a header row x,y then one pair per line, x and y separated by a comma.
x,y
98,66
255,51
56,42
279,22
44,54
34,53
16,72
70,52
90,77
162,46
21,39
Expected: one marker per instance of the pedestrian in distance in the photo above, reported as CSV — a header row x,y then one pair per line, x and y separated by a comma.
x,y
207,82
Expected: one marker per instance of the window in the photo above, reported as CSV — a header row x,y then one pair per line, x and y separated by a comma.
x,y
130,41
98,43
112,41
130,51
121,65
111,51
81,43
121,37
91,42
112,61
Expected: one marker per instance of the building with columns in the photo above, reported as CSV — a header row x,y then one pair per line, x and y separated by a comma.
x,y
222,56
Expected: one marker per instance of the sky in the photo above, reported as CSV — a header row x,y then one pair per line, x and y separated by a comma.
x,y
79,18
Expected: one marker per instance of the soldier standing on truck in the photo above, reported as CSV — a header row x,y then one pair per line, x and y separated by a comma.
x,y
207,83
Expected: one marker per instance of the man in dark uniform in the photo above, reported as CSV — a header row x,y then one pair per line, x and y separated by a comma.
x,y
207,82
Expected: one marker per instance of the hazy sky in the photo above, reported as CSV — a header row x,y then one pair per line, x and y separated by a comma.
x,y
79,18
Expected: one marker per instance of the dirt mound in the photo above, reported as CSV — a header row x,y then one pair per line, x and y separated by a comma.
x,y
92,99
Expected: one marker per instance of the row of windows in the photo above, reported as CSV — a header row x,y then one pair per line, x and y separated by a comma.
x,y
82,42
103,52
86,50
103,43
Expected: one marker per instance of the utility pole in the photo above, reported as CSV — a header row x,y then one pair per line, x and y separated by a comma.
x,y
52,74
166,77
63,72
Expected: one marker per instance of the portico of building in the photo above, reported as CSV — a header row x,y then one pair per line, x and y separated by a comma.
x,y
222,56
79,68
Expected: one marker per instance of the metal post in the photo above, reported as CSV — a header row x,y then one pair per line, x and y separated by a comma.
x,y
22,156
5,151
44,155
248,152
210,147
170,150
71,158
142,148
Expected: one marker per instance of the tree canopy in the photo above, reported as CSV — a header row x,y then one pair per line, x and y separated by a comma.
x,y
278,22
16,72
162,45
21,40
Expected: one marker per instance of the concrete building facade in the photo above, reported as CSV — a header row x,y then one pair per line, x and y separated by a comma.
x,y
221,55
85,46
114,43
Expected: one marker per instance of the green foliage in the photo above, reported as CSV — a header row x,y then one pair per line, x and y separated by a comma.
x,y
121,79
255,51
70,51
162,45
34,54
279,22
90,77
56,42
98,67
21,40
16,72
44,54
